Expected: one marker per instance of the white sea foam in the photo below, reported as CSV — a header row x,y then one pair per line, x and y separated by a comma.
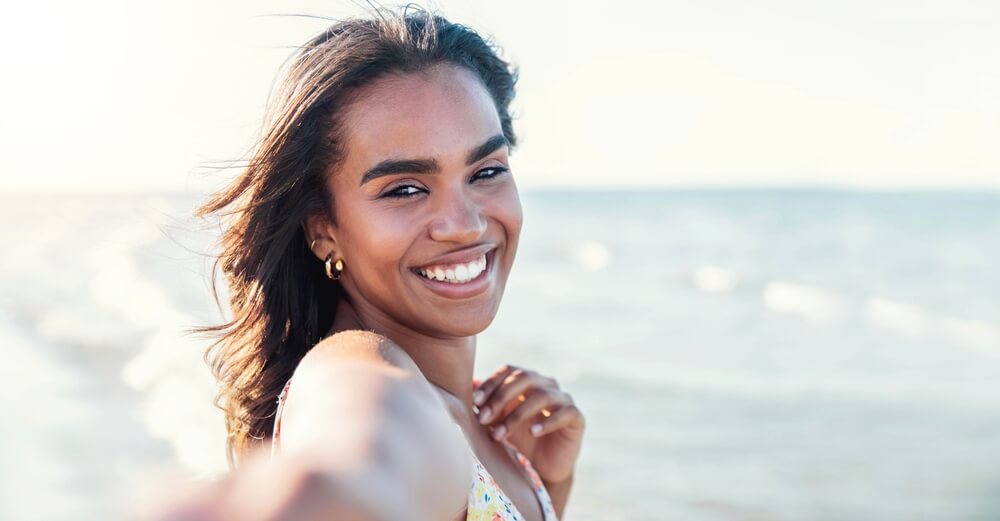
x,y
40,398
902,318
981,336
76,320
124,308
810,303
176,411
915,323
118,285
592,255
714,279
779,386
169,368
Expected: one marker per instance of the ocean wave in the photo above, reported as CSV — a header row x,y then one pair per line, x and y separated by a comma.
x,y
41,394
978,335
904,319
129,310
168,368
822,306
810,303
714,279
914,322
592,255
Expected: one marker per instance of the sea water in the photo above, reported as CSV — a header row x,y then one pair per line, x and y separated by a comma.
x,y
738,354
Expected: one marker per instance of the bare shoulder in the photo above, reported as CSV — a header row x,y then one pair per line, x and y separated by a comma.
x,y
349,350
357,381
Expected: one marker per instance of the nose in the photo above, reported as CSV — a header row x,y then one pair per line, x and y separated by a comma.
x,y
457,218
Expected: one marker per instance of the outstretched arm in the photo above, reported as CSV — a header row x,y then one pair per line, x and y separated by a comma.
x,y
366,391
364,437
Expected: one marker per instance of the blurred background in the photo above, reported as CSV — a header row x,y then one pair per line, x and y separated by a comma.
x,y
760,246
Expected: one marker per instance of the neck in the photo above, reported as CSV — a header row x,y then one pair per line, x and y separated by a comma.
x,y
446,362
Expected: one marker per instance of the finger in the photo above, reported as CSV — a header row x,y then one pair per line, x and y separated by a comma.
x,y
516,383
506,389
538,404
566,417
487,386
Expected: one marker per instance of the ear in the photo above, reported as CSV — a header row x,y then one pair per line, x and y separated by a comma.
x,y
320,235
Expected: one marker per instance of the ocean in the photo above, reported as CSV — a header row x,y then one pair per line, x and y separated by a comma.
x,y
738,354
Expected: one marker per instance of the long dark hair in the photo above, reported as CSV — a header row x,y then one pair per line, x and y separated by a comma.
x,y
280,299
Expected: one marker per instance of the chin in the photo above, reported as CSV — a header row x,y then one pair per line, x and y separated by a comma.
x,y
463,324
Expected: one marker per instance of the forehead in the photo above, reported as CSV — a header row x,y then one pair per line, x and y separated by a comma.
x,y
442,111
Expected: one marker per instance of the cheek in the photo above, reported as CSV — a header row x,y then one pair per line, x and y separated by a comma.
x,y
507,211
377,239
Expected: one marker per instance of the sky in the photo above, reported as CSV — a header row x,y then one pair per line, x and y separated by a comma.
x,y
123,97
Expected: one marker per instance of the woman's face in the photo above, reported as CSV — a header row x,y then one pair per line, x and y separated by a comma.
x,y
427,215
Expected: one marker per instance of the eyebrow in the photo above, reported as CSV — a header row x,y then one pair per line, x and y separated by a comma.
x,y
426,166
491,145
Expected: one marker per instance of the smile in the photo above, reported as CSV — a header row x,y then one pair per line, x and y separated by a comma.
x,y
460,276
459,273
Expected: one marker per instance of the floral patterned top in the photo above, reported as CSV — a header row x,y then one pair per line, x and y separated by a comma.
x,y
486,501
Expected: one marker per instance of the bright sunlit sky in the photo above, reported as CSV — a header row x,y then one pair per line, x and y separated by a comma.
x,y
127,96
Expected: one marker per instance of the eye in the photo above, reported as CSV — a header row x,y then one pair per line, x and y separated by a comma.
x,y
402,192
490,172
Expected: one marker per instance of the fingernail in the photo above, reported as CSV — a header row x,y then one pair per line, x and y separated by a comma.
x,y
499,432
535,429
477,397
484,415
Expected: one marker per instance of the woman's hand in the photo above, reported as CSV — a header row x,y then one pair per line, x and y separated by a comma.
x,y
538,418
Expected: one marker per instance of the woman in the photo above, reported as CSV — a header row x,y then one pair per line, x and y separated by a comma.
x,y
370,239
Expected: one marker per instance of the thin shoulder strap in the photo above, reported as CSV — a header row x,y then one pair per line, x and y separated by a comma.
x,y
548,510
276,432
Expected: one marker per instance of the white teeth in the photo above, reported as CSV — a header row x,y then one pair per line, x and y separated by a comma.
x,y
455,273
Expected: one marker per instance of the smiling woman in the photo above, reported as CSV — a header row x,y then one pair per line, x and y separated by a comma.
x,y
423,186
370,239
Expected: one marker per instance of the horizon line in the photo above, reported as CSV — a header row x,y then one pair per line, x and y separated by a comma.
x,y
827,188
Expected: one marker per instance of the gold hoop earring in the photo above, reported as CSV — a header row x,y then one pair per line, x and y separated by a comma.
x,y
334,269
